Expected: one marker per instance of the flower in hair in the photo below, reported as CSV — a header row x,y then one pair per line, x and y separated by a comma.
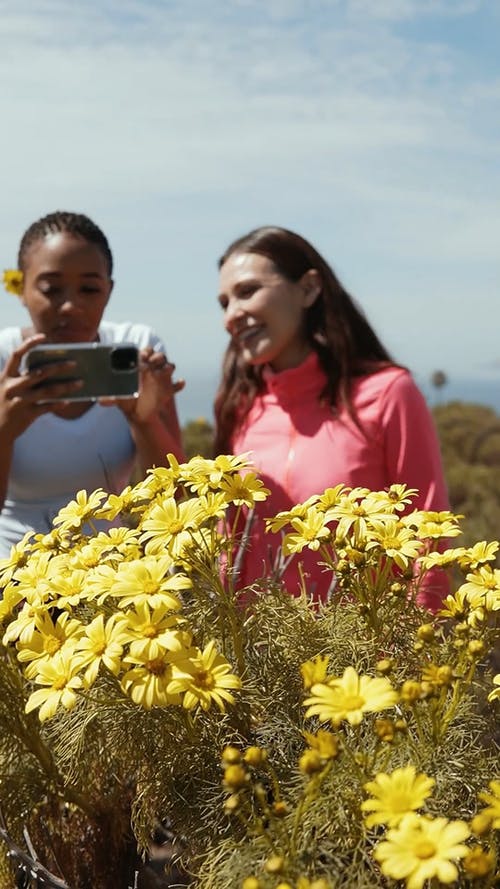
x,y
13,281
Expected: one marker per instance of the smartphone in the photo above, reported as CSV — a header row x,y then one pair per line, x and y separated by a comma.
x,y
107,371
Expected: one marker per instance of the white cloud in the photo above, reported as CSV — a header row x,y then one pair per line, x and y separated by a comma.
x,y
180,124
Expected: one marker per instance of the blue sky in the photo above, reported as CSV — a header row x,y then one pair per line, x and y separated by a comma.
x,y
372,127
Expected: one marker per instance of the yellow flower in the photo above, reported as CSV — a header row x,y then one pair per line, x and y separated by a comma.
x,y
13,281
420,849
101,644
311,531
324,743
19,554
169,526
395,540
437,675
152,631
483,588
456,605
204,679
78,511
478,554
433,525
48,637
149,581
244,490
395,795
478,862
442,560
493,800
148,679
62,684
202,475
350,697
314,671
355,517
496,691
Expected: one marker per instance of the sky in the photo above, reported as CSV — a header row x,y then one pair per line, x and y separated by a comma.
x,y
371,127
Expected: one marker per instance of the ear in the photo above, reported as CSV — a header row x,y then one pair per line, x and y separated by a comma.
x,y
311,284
111,285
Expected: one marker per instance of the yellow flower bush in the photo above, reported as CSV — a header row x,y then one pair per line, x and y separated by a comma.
x,y
282,743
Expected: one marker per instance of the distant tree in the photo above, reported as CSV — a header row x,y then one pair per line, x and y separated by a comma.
x,y
439,379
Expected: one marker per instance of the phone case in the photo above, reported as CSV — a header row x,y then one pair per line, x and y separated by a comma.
x,y
107,371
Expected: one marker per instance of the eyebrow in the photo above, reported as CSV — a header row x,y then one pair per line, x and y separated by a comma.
x,y
57,274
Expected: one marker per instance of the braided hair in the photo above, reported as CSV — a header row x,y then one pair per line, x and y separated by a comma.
x,y
62,221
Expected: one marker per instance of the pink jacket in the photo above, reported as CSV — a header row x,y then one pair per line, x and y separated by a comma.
x,y
300,447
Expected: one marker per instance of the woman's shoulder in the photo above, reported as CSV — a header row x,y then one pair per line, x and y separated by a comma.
x,y
129,332
10,339
380,380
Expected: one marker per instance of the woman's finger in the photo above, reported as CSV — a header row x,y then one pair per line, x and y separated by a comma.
x,y
13,363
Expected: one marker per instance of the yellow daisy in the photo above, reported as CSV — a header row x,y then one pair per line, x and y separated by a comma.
x,y
102,643
148,679
244,490
169,525
79,510
310,531
350,697
13,281
204,679
59,675
493,800
395,795
314,671
420,849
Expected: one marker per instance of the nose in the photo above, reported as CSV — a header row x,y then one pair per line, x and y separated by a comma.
x,y
232,313
68,302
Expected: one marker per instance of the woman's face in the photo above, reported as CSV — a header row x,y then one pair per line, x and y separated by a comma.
x,y
264,312
66,287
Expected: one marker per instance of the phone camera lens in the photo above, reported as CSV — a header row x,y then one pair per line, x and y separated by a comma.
x,y
124,358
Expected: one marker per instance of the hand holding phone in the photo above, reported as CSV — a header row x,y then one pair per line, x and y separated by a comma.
x,y
104,371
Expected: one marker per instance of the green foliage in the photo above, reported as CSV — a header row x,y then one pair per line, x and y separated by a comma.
x,y
470,442
197,438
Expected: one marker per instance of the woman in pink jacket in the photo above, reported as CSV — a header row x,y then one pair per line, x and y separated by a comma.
x,y
308,388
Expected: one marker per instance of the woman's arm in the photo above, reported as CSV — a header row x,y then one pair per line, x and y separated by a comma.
x,y
413,457
152,416
21,395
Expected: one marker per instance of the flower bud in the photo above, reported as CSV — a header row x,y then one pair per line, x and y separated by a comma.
x,y
476,647
255,756
426,633
251,883
235,777
481,824
444,675
232,803
384,730
386,665
274,864
231,755
411,691
478,862
280,809
310,762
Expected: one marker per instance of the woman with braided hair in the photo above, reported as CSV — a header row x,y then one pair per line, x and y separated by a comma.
x,y
51,450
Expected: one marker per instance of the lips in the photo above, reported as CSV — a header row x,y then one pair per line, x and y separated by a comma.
x,y
247,333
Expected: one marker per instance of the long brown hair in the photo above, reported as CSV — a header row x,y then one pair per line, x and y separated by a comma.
x,y
335,327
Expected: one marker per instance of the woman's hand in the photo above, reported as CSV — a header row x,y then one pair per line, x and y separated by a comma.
x,y
22,393
156,388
